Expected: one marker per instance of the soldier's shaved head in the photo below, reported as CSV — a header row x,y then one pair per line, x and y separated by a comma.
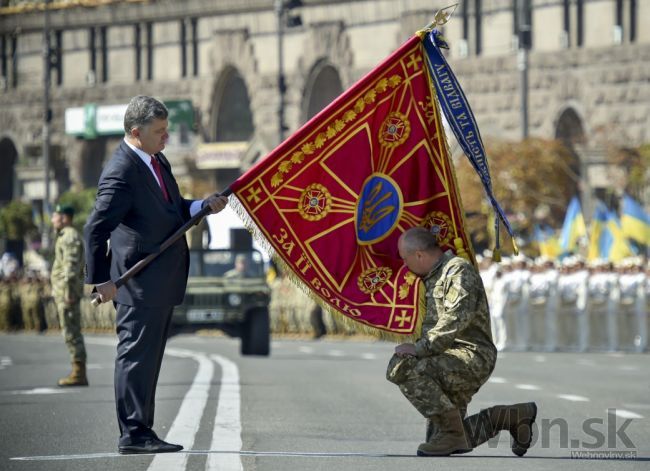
x,y
419,238
419,249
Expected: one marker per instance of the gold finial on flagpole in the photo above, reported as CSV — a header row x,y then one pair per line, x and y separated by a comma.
x,y
440,18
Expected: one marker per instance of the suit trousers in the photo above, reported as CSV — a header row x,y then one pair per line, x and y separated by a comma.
x,y
142,336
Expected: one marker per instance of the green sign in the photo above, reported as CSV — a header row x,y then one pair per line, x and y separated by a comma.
x,y
92,120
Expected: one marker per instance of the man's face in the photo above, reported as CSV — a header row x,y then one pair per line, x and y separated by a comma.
x,y
152,137
56,221
59,220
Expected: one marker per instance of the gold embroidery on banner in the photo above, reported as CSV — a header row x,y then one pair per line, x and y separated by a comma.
x,y
371,216
428,110
371,280
395,130
315,202
253,195
409,280
332,129
414,61
441,226
403,317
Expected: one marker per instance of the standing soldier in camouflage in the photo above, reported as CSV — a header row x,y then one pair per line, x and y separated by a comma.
x,y
454,355
67,289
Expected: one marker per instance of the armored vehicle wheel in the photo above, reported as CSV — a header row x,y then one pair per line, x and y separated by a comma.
x,y
256,336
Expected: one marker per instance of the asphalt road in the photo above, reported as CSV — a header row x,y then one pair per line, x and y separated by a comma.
x,y
312,405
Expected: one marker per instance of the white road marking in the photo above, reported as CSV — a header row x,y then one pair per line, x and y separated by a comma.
x,y
28,392
638,406
573,397
186,424
540,358
627,414
497,380
6,361
527,387
306,350
368,356
629,368
227,423
237,454
336,353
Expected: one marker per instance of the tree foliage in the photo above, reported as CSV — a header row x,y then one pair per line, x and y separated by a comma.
x,y
82,201
16,221
526,176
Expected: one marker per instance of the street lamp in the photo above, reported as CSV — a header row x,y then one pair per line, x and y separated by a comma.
x,y
525,42
285,19
47,117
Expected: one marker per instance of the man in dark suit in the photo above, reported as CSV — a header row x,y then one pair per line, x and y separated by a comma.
x,y
138,206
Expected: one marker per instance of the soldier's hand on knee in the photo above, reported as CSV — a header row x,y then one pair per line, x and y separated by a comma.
x,y
405,350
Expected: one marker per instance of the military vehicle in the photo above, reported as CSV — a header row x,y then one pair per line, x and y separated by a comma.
x,y
227,290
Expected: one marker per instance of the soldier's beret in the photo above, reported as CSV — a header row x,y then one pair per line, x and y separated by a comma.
x,y
64,209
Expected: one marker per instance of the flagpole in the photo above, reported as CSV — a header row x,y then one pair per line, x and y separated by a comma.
x,y
142,264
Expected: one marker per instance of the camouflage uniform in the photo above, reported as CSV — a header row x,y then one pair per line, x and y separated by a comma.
x,y
67,285
30,303
5,305
455,353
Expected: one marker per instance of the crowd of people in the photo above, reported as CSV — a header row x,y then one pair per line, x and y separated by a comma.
x,y
572,304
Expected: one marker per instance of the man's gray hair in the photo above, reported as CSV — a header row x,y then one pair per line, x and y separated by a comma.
x,y
143,110
419,238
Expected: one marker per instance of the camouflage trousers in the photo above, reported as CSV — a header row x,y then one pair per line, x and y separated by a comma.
x,y
440,383
70,320
32,317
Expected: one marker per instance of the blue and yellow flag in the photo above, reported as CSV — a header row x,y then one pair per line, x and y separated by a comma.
x,y
635,222
574,227
607,240
547,241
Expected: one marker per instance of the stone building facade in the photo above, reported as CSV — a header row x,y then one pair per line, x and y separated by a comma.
x,y
587,64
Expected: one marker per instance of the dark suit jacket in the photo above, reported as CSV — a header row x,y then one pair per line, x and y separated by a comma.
x,y
131,211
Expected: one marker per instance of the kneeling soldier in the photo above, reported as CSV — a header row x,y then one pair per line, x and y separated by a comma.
x,y
454,355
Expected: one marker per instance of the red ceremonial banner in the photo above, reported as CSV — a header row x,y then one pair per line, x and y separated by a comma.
x,y
333,199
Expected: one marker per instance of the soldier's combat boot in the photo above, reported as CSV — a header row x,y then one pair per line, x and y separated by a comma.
x,y
518,419
450,437
77,377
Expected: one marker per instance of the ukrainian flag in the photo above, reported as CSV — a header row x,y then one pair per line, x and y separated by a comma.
x,y
600,239
607,240
619,248
635,222
548,243
573,228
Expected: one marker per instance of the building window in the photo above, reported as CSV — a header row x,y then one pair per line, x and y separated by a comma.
x,y
567,23
137,45
479,19
14,61
632,21
195,47
104,46
3,61
183,46
93,51
56,56
466,20
580,7
149,29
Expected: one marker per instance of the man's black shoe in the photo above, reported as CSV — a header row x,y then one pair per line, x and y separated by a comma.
x,y
152,445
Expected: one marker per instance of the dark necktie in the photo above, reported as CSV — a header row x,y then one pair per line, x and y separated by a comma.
x,y
156,168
